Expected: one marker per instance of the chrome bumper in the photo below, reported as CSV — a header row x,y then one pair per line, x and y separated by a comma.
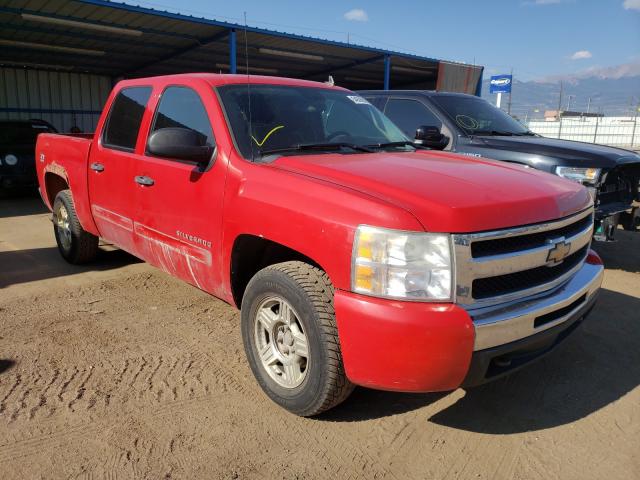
x,y
507,323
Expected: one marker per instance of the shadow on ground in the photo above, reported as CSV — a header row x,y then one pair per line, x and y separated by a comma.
x,y
623,254
22,266
596,366
366,404
6,365
21,204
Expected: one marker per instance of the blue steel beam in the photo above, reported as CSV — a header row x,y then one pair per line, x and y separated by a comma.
x,y
387,71
49,110
233,58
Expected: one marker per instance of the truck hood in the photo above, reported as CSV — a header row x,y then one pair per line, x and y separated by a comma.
x,y
448,192
567,152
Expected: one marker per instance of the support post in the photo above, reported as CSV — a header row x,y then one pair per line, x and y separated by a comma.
x,y
232,51
479,85
499,99
387,70
560,124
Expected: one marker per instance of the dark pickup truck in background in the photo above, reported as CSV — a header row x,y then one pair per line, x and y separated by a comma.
x,y
17,147
469,125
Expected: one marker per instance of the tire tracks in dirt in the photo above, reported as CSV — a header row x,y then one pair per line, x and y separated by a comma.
x,y
91,387
326,447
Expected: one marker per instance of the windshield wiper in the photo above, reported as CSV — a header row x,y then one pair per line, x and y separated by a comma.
x,y
500,133
497,133
326,147
395,144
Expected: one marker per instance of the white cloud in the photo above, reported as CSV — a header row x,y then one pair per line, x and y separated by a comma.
x,y
357,15
546,2
581,55
631,4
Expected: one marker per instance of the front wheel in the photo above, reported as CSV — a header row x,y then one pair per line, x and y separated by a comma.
x,y
75,244
291,340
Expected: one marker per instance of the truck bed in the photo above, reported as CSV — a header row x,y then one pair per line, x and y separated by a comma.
x,y
66,155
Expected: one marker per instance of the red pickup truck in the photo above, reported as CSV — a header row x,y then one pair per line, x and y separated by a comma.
x,y
355,256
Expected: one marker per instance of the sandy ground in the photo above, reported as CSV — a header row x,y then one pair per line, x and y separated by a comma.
x,y
117,370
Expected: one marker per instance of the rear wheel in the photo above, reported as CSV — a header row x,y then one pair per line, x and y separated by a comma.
x,y
291,340
76,245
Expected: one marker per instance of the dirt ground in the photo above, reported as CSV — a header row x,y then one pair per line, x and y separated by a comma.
x,y
117,370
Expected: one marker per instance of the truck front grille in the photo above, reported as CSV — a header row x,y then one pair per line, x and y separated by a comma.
x,y
485,248
514,282
505,265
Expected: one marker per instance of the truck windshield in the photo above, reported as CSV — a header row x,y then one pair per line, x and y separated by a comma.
x,y
287,119
478,117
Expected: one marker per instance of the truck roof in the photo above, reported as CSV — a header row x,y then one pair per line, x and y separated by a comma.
x,y
426,93
218,79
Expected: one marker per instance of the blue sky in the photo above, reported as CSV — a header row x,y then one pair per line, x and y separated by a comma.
x,y
538,38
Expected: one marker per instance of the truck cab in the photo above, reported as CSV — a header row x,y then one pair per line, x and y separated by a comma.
x,y
469,125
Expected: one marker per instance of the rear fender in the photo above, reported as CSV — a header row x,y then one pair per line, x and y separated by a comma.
x,y
48,193
66,157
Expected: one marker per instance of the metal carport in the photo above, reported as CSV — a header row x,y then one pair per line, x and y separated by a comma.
x,y
65,43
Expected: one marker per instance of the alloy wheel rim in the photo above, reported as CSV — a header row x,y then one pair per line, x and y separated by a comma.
x,y
62,226
281,342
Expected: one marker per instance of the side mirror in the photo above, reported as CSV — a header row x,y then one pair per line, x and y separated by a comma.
x,y
181,144
431,137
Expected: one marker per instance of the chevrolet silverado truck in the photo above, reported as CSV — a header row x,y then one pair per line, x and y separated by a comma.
x,y
355,257
472,126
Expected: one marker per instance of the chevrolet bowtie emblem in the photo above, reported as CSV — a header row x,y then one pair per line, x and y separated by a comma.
x,y
559,251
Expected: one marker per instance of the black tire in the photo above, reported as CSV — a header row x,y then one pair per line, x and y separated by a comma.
x,y
310,292
82,246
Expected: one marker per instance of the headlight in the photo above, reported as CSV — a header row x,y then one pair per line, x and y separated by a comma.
x,y
11,159
580,175
403,265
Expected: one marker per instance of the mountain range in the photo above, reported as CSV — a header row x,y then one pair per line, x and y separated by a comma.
x,y
613,91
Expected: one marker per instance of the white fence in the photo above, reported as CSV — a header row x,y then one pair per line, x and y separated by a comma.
x,y
621,132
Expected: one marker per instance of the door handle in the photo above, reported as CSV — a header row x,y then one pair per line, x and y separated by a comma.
x,y
97,167
145,181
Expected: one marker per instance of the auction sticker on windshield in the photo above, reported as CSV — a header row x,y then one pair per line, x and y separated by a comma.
x,y
357,99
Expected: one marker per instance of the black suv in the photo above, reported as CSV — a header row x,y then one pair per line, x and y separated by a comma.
x,y
17,151
469,125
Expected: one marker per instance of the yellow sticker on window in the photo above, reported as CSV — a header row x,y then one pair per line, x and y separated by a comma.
x,y
274,129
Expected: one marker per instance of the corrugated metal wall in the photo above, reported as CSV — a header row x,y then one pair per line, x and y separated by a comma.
x,y
453,77
64,99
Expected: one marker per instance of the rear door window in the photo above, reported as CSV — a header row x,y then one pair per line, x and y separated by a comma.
x,y
410,114
181,107
123,124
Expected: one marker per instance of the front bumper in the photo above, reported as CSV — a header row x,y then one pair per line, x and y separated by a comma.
x,y
606,224
493,363
423,347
